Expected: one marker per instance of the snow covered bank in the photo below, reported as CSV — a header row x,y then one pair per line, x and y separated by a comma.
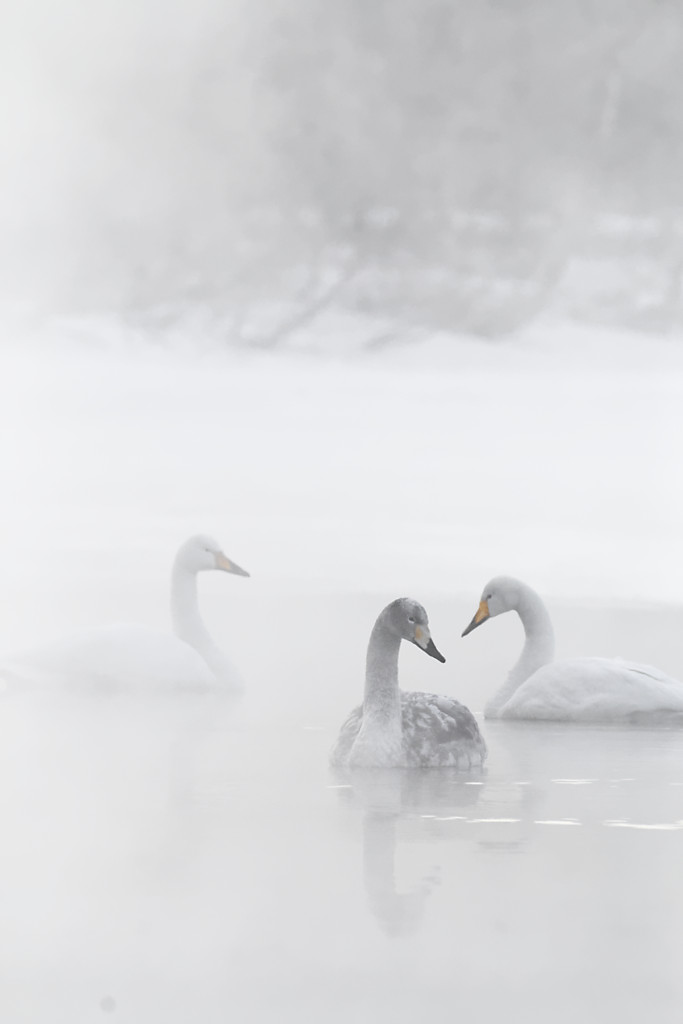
x,y
426,469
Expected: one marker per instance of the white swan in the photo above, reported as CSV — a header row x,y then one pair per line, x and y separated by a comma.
x,y
576,690
392,729
138,657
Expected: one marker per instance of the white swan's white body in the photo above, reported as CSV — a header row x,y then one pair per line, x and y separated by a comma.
x,y
393,729
593,690
135,657
575,690
111,657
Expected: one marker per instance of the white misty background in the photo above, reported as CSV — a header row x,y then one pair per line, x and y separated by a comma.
x,y
429,164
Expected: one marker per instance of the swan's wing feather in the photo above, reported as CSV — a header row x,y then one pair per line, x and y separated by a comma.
x,y
112,657
439,731
595,689
649,671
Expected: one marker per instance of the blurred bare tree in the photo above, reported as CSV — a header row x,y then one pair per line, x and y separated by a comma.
x,y
433,163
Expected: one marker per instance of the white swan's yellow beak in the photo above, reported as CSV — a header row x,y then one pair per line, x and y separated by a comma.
x,y
227,566
481,616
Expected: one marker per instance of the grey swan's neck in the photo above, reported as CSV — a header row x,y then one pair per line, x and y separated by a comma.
x,y
538,650
188,625
381,697
379,740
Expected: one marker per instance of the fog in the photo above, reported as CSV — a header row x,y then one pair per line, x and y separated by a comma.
x,y
431,167
387,299
174,856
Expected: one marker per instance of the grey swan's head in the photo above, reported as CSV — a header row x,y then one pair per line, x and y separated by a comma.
x,y
408,620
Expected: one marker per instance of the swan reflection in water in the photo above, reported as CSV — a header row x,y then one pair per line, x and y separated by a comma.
x,y
397,806
398,913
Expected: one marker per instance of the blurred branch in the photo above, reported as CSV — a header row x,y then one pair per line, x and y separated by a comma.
x,y
306,314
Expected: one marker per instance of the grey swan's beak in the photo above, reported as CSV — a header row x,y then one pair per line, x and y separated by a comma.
x,y
433,652
424,641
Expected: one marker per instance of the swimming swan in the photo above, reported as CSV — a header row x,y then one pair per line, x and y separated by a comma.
x,y
392,729
577,690
138,657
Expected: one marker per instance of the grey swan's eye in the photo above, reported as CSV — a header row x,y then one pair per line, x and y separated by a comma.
x,y
410,619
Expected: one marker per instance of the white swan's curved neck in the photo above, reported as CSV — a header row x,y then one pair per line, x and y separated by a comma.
x,y
188,624
379,738
187,621
538,650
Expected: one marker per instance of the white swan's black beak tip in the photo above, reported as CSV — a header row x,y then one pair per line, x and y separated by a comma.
x,y
227,565
476,621
481,615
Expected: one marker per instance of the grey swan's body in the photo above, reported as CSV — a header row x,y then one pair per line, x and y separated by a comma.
x,y
136,657
575,690
393,729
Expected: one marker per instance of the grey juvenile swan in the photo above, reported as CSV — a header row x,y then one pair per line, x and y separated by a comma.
x,y
393,729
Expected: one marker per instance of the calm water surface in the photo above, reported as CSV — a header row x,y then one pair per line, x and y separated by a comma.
x,y
189,860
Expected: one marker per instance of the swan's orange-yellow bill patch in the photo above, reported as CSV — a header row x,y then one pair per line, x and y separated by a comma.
x,y
419,635
482,612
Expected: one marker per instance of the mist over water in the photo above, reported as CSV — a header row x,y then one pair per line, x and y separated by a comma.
x,y
386,298
175,856
154,858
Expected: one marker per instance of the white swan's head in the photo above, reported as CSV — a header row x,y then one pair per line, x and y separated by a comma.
x,y
408,619
501,594
202,553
